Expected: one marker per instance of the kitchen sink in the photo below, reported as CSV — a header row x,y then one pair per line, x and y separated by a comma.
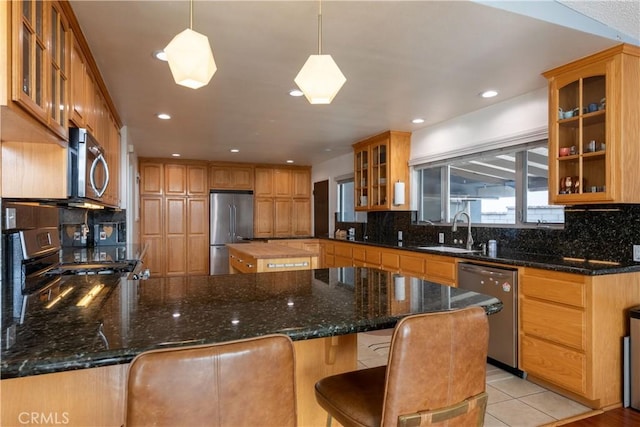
x,y
450,249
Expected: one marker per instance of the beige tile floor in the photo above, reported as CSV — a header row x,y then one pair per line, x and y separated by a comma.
x,y
513,401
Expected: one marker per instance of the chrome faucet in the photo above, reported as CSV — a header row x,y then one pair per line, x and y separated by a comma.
x,y
455,227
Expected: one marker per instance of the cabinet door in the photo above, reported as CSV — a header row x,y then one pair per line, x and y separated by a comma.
x,y
175,177
282,182
361,183
151,231
59,56
242,177
301,183
176,236
152,178
78,85
30,47
198,241
282,217
379,193
263,218
197,180
264,182
301,217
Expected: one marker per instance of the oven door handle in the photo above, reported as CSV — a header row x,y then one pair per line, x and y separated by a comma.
x,y
99,192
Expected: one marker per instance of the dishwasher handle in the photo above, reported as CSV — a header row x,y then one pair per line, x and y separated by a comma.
x,y
475,269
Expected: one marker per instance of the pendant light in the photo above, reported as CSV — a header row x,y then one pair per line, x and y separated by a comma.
x,y
320,79
190,57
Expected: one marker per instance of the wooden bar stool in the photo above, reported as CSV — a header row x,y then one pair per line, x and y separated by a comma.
x,y
238,383
436,375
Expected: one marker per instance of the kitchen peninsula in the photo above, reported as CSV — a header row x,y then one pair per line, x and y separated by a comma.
x,y
73,361
267,257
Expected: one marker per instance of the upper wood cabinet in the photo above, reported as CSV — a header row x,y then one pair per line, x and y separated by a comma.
x,y
593,150
40,62
380,162
283,201
225,176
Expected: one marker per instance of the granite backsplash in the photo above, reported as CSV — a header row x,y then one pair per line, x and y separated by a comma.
x,y
603,232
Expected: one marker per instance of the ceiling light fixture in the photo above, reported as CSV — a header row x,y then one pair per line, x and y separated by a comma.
x,y
417,121
175,155
296,92
234,150
320,79
289,161
190,57
163,116
489,93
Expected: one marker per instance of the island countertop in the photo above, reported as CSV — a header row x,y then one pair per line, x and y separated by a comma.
x,y
262,250
128,317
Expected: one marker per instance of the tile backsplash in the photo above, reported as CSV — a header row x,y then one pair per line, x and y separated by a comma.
x,y
603,232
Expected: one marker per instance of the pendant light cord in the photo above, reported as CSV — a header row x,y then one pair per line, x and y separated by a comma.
x,y
319,27
191,15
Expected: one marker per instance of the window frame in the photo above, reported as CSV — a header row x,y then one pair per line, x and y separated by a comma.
x,y
520,151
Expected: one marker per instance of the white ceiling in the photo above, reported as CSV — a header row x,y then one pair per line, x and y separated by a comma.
x,y
402,60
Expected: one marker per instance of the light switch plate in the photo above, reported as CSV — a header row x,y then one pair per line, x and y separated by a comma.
x,y
440,237
636,253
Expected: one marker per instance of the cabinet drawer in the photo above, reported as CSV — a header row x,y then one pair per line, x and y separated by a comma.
x,y
329,248
554,288
412,264
437,268
342,250
390,261
372,257
244,264
564,325
359,253
556,364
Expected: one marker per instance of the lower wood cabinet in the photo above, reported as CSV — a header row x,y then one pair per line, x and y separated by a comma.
x,y
571,329
175,217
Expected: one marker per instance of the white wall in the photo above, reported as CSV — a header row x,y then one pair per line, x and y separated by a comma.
x,y
516,120
513,121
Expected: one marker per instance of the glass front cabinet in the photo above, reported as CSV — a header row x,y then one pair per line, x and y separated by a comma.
x,y
594,128
379,162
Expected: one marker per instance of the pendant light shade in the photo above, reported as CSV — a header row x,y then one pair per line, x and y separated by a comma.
x,y
190,59
320,79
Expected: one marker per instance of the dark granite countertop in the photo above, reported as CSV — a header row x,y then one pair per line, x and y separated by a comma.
x,y
521,259
128,317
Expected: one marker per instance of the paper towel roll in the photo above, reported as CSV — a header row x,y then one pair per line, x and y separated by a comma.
x,y
398,288
398,193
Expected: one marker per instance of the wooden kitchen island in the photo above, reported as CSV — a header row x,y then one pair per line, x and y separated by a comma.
x,y
262,257
72,363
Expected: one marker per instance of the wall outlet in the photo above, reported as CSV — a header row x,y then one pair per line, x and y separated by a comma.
x,y
636,253
10,215
440,237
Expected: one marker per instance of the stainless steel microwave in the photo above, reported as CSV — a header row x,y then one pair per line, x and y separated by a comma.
x,y
88,171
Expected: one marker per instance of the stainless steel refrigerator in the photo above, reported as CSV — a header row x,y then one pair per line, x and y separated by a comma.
x,y
231,221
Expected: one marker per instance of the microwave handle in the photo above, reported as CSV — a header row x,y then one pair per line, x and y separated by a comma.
x,y
101,191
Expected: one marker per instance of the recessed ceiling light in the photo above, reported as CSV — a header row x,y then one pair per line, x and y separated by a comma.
x,y
176,154
489,93
160,55
289,161
296,92
234,150
163,116
417,121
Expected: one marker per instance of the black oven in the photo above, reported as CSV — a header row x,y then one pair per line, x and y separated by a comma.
x,y
88,171
29,256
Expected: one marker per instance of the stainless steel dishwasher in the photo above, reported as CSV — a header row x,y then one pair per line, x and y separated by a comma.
x,y
501,283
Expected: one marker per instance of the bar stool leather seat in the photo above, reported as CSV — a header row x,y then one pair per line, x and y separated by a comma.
x,y
239,383
436,375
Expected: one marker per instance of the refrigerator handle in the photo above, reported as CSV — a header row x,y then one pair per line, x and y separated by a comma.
x,y
232,224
